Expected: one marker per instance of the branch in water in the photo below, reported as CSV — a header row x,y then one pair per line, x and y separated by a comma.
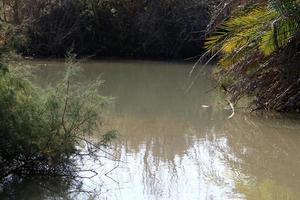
x,y
232,108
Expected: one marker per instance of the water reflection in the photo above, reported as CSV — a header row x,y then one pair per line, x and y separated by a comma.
x,y
38,188
268,152
243,157
173,148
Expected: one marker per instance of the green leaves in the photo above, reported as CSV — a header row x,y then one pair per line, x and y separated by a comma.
x,y
41,126
278,36
287,8
258,46
263,29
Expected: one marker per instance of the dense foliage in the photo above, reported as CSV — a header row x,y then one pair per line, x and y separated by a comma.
x,y
41,130
131,28
259,48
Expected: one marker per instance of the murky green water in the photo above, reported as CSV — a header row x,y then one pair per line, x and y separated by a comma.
x,y
172,147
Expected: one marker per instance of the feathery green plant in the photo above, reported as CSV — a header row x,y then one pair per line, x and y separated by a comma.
x,y
40,129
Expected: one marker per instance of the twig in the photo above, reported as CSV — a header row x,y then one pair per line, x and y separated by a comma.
x,y
97,147
232,108
106,174
65,108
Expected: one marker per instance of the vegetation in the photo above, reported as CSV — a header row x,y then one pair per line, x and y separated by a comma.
x,y
46,131
41,130
259,49
131,28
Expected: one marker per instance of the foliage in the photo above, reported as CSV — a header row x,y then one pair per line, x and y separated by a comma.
x,y
156,28
258,45
9,40
3,46
40,129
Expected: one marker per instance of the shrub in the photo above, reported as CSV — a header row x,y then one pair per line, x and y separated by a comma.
x,y
41,129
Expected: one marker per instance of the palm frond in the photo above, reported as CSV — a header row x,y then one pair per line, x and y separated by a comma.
x,y
258,48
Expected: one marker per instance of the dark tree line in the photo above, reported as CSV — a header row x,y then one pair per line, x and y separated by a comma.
x,y
130,28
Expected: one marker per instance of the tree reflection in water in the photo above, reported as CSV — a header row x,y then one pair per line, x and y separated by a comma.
x,y
38,188
210,157
173,148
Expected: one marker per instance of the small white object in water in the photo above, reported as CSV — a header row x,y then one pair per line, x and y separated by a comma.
x,y
205,106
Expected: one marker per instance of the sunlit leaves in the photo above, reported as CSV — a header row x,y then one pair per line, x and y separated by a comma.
x,y
258,45
262,28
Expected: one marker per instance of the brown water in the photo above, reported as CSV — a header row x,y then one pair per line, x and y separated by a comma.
x,y
172,147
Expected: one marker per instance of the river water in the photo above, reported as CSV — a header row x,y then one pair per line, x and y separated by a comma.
x,y
176,142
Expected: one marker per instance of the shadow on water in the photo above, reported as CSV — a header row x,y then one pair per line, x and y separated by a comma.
x,y
37,188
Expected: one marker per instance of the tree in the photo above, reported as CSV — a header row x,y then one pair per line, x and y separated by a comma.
x,y
258,46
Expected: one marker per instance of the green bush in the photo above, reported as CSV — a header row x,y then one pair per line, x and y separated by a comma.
x,y
41,129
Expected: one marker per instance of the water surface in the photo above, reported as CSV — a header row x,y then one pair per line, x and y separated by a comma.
x,y
173,147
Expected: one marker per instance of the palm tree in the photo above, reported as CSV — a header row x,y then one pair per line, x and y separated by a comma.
x,y
258,46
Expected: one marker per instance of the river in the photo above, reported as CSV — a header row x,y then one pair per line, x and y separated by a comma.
x,y
176,141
